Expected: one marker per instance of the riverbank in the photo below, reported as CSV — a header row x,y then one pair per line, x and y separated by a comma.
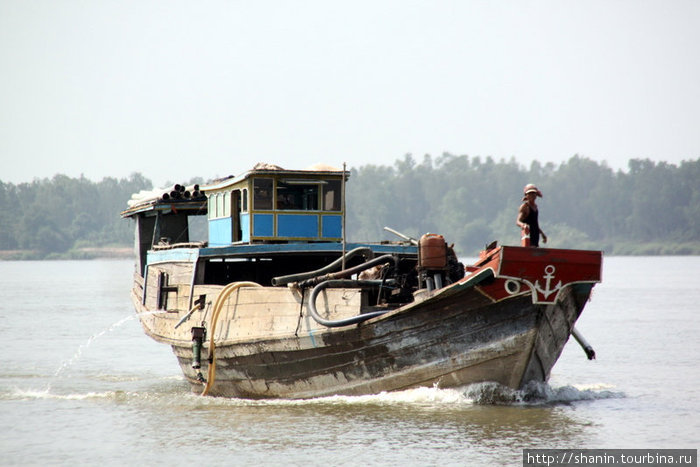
x,y
659,248
111,252
123,252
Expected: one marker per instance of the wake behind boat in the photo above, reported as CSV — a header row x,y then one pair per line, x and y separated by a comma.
x,y
275,304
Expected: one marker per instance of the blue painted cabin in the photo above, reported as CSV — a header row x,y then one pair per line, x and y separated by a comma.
x,y
272,206
263,224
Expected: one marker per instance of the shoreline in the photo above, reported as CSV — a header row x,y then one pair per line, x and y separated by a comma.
x,y
127,252
86,253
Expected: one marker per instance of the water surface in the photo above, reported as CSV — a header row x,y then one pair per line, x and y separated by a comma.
x,y
81,383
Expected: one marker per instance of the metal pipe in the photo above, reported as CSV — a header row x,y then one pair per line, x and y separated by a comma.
x,y
283,280
438,280
348,272
199,334
411,240
342,198
590,353
198,305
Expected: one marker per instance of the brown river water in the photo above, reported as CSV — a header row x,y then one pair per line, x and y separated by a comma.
x,y
81,384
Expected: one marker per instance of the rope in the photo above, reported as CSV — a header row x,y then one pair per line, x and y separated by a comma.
x,y
218,305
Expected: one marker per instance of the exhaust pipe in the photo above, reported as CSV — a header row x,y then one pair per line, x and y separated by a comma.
x,y
590,353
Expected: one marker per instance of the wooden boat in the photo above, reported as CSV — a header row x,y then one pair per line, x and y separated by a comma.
x,y
274,304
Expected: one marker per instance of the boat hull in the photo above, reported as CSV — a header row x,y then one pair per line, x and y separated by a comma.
x,y
465,339
487,327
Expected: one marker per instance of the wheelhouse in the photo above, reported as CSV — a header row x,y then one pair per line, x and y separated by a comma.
x,y
272,206
262,215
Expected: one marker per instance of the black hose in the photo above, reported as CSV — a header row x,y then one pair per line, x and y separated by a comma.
x,y
342,283
347,272
283,280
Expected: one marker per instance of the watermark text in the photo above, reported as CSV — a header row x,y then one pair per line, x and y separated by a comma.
x,y
602,457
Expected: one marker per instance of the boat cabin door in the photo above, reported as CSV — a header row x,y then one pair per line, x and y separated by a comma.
x,y
236,216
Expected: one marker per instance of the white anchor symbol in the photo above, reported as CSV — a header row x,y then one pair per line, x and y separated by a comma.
x,y
548,276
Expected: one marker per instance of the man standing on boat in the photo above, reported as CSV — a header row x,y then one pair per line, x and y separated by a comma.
x,y
528,218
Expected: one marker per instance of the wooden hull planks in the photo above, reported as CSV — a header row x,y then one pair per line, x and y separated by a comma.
x,y
267,345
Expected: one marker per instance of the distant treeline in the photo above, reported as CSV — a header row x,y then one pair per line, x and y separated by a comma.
x,y
51,217
650,208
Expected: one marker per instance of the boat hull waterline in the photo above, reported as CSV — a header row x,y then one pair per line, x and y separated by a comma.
x,y
268,345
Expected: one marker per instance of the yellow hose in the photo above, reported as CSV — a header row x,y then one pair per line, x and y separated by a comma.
x,y
218,305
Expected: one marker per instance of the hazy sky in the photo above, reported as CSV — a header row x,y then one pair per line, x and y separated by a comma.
x,y
177,89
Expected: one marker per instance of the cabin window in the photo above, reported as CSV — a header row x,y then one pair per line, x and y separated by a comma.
x,y
331,195
262,193
244,200
219,205
226,211
297,195
212,206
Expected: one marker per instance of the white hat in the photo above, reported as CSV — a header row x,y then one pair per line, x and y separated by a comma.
x,y
530,188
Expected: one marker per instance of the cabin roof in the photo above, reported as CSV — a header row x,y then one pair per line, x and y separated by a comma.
x,y
147,201
157,205
314,171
